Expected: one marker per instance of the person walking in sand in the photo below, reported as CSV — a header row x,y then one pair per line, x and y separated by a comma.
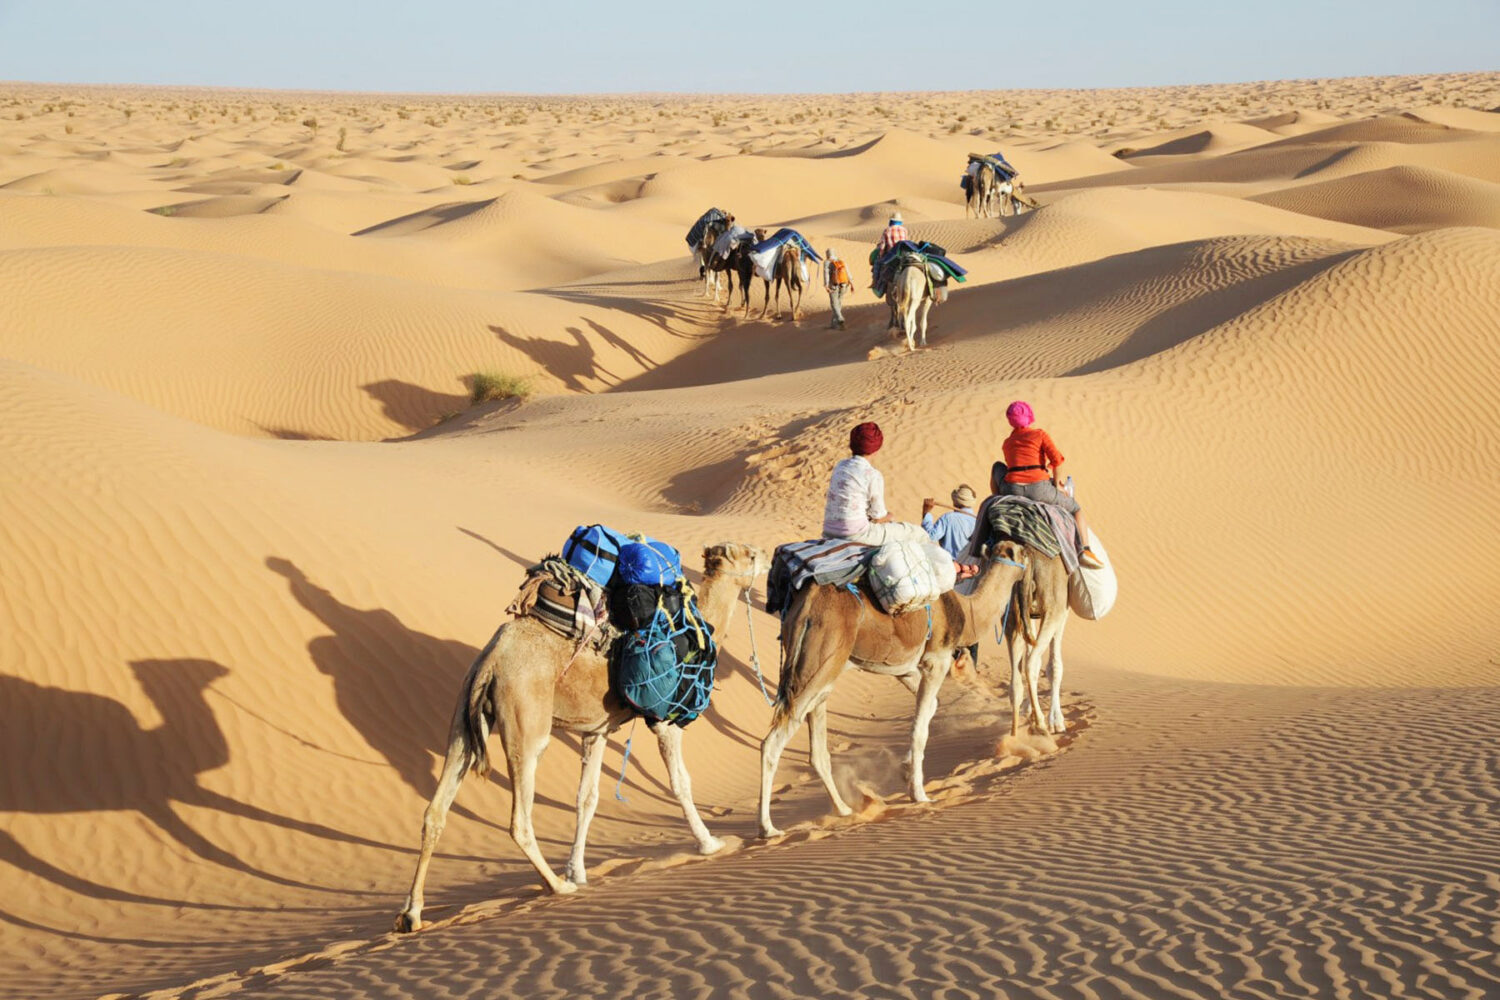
x,y
836,280
1034,470
855,505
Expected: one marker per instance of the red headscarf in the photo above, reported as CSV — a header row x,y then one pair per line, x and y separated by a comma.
x,y
866,439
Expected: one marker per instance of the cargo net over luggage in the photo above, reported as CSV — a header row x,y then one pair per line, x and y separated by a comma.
x,y
663,664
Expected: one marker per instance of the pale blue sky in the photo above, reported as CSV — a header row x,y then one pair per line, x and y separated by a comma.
x,y
583,46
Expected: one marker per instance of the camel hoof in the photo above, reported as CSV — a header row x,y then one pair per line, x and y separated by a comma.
x,y
843,810
565,887
770,833
577,876
920,795
407,922
713,845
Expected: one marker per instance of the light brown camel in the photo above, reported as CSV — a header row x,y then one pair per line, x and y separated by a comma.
x,y
910,296
829,629
789,274
526,683
981,199
1044,593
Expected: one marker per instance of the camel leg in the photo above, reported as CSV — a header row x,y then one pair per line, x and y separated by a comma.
x,y
588,802
922,317
817,739
1034,677
927,702
1055,720
669,738
455,766
523,753
1017,649
770,755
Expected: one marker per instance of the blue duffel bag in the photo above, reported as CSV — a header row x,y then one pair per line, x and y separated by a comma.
x,y
594,551
650,563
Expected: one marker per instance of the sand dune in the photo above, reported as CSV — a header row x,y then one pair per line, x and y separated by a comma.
x,y
1401,199
255,533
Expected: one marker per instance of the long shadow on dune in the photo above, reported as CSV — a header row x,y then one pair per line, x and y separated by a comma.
x,y
572,363
394,684
113,763
412,406
671,315
437,215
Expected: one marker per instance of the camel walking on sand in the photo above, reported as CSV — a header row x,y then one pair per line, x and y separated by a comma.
x,y
910,296
829,629
1044,592
788,273
982,191
526,683
712,276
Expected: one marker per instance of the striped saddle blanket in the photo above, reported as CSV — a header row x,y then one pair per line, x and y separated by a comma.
x,y
820,560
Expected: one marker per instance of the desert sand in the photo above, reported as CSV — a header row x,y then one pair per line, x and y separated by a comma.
x,y
253,531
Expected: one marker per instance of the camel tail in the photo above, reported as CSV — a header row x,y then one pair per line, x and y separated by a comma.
x,y
790,669
479,700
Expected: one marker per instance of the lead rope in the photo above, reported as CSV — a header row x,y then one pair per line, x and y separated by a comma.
x,y
754,656
625,761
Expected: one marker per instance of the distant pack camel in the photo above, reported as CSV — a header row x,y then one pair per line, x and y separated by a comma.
x,y
526,683
712,276
1044,592
910,295
829,629
788,274
982,192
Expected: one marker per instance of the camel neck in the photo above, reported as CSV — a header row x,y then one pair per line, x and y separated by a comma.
x,y
716,597
992,591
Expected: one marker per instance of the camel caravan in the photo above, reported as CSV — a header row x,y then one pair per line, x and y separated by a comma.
x,y
911,275
992,187
610,630
723,250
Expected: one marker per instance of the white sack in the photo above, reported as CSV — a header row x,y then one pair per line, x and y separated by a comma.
x,y
1092,592
909,574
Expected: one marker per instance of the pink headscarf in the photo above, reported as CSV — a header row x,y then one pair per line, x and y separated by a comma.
x,y
1019,414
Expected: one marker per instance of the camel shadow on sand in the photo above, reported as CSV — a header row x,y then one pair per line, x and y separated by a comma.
x,y
110,762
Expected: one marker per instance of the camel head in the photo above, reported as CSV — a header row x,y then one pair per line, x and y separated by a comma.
x,y
735,561
760,236
1006,551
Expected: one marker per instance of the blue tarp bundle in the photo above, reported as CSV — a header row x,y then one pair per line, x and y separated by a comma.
x,y
787,236
695,235
927,250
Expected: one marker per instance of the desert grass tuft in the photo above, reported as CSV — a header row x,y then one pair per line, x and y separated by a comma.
x,y
487,386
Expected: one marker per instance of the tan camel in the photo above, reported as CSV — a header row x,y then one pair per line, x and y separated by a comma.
x,y
526,683
788,273
829,629
910,295
1044,593
982,191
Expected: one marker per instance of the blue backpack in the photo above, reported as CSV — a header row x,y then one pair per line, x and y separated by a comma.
x,y
666,669
594,551
650,563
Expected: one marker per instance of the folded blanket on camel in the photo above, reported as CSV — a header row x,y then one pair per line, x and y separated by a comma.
x,y
695,235
767,253
939,268
1044,527
821,560
998,161
566,601
732,237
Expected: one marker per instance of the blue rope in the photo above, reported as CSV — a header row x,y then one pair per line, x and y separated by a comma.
x,y
929,623
625,761
1010,562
